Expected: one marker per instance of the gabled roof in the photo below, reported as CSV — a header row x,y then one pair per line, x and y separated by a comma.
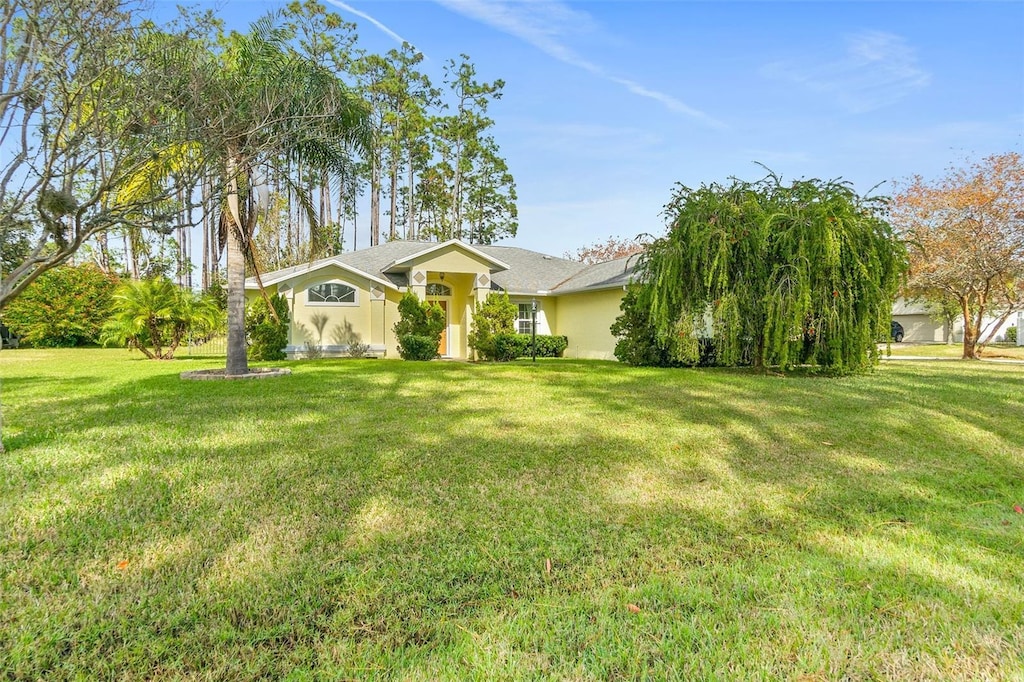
x,y
285,274
514,270
404,262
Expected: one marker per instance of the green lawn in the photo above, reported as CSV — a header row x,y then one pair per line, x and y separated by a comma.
x,y
564,520
994,351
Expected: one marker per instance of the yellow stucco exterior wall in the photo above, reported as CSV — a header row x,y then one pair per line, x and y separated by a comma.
x,y
585,319
340,317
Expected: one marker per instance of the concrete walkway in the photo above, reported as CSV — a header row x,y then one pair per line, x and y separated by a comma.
x,y
926,358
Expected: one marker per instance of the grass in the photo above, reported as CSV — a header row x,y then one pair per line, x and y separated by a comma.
x,y
564,520
993,351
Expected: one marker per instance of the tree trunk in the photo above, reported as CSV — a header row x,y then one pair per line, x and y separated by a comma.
x,y
393,232
410,229
206,235
374,202
970,332
341,212
237,362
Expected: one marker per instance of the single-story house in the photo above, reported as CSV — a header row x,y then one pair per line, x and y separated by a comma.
x,y
355,295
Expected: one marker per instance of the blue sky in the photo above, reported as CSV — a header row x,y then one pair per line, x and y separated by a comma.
x,y
608,104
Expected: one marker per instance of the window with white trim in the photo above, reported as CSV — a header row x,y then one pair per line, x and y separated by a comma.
x,y
332,293
524,325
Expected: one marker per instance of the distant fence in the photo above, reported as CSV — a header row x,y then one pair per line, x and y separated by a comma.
x,y
217,345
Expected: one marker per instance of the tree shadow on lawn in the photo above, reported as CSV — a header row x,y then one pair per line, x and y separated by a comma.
x,y
400,521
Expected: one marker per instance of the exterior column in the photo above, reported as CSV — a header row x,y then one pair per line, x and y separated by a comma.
x,y
378,323
481,287
418,283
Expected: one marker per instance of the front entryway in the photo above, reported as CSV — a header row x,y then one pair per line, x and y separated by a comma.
x,y
442,347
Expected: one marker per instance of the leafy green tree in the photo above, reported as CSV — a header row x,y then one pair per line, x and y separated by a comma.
x,y
495,315
400,96
782,274
90,98
419,328
468,193
267,332
155,316
65,306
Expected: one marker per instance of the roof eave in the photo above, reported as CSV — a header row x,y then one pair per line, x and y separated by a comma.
x,y
298,273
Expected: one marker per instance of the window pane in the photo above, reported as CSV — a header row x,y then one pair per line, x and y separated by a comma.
x,y
434,289
331,293
524,323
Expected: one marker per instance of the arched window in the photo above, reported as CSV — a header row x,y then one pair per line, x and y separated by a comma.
x,y
438,290
331,292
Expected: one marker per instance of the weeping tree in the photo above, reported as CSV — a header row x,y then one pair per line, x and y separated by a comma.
x,y
773,274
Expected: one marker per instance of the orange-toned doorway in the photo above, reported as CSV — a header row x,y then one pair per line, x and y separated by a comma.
x,y
442,348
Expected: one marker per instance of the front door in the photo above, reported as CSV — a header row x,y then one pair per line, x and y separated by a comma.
x,y
442,348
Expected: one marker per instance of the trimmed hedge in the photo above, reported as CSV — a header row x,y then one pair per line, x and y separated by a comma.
x,y
417,347
419,328
511,346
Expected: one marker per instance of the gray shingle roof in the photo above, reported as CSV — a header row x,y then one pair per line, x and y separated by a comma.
x,y
529,272
611,274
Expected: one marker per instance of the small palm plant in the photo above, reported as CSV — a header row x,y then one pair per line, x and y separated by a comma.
x,y
155,315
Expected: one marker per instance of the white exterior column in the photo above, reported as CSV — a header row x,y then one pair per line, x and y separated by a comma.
x,y
418,283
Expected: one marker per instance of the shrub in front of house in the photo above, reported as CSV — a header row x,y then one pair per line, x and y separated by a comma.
x,y
511,346
417,347
496,315
1011,335
638,343
267,336
419,328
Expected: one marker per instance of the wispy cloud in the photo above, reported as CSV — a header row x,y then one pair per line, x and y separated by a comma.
x,y
586,140
546,25
352,10
878,69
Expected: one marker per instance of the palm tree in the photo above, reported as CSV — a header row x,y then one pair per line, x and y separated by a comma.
x,y
155,316
263,101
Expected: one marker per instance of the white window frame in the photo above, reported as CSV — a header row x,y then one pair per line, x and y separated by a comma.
x,y
527,321
334,304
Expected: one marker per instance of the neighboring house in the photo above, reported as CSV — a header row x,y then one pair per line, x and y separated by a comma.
x,y
358,293
918,325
